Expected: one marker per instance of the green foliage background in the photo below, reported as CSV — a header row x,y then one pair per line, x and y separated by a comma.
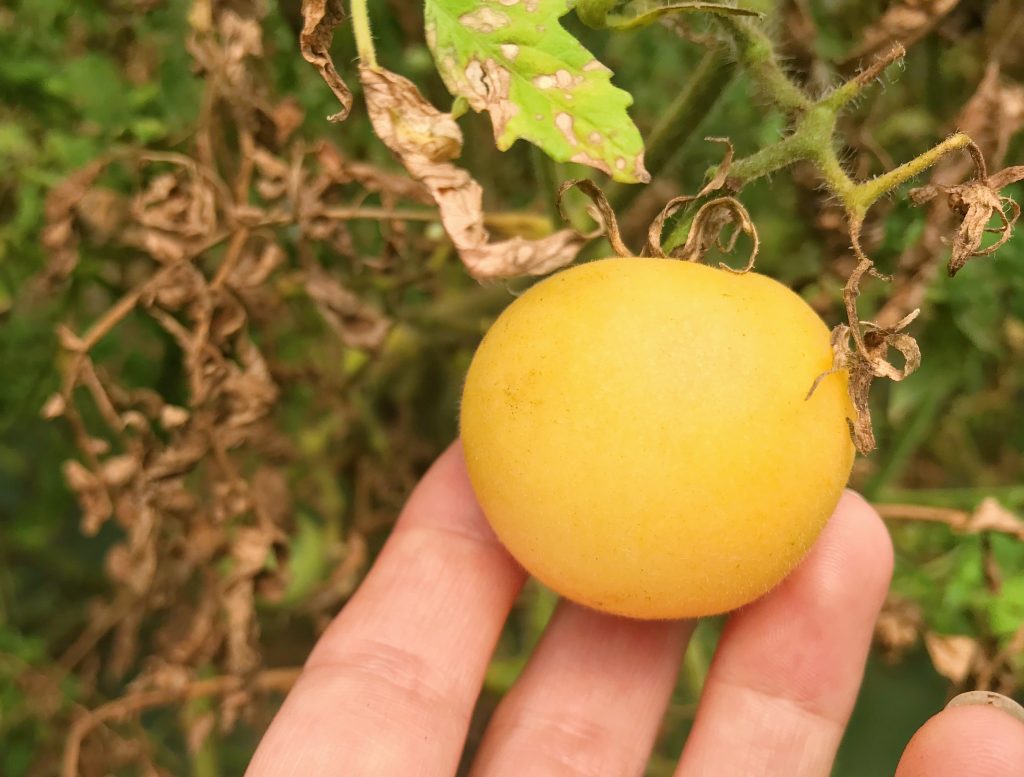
x,y
78,80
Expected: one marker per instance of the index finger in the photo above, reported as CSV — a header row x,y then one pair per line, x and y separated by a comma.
x,y
391,685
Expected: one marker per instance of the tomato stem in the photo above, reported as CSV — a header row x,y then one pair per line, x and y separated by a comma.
x,y
363,33
812,136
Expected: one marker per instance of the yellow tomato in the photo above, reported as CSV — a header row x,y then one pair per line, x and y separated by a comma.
x,y
639,435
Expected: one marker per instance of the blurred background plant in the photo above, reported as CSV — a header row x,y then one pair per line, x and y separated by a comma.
x,y
232,335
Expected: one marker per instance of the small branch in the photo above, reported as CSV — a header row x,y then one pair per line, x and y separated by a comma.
x,y
849,91
768,160
113,316
231,257
118,709
950,516
1012,496
867,193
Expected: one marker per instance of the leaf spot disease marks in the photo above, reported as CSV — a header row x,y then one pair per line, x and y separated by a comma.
x,y
485,20
513,59
564,123
489,85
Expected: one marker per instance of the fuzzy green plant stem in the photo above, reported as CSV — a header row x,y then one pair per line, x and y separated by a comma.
x,y
813,134
363,33
756,55
865,194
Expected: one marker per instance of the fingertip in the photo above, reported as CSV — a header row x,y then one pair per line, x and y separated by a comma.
x,y
444,499
875,542
975,740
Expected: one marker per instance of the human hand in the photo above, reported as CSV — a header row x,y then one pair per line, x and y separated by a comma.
x,y
390,688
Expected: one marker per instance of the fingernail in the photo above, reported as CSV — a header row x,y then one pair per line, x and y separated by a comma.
x,y
988,699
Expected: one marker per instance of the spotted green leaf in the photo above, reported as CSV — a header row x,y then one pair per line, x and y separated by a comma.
x,y
513,59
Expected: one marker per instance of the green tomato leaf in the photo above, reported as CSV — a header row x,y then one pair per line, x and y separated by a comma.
x,y
513,59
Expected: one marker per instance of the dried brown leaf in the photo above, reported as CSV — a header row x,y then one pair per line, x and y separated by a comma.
x,y
59,236
952,655
117,471
103,212
425,140
91,494
181,456
54,407
976,202
242,630
173,417
320,17
608,224
865,364
288,116
356,323
990,515
706,228
721,175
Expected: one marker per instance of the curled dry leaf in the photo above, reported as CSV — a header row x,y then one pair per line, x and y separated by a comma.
x,y
59,236
426,140
320,17
866,365
709,221
608,224
91,494
706,230
976,202
952,655
357,324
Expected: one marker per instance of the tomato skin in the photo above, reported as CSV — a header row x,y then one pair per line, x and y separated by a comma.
x,y
639,435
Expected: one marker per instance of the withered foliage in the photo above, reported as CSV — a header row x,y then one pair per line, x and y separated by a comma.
x,y
426,140
229,242
976,202
992,116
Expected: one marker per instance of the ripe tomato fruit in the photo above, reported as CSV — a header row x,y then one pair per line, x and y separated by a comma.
x,y
639,435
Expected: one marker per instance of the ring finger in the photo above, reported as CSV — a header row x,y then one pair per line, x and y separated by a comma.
x,y
788,667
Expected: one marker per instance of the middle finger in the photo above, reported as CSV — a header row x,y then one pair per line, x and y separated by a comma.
x,y
590,700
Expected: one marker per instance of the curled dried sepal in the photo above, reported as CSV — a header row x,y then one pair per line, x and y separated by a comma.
x,y
425,140
976,201
864,366
608,224
706,230
320,17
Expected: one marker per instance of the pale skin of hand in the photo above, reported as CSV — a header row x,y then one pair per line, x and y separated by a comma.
x,y
390,688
